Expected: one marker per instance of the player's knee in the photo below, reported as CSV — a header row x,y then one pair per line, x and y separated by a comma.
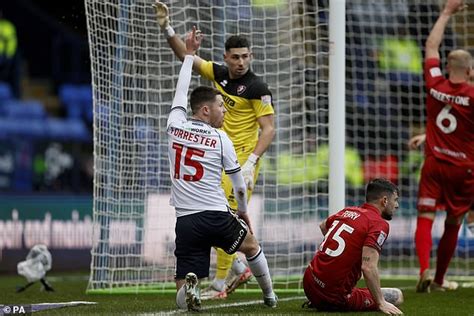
x,y
249,246
428,215
393,295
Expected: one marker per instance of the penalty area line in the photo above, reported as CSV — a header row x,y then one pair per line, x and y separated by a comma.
x,y
226,305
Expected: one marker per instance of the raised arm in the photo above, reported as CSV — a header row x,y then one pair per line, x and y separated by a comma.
x,y
180,100
433,41
416,141
370,261
174,41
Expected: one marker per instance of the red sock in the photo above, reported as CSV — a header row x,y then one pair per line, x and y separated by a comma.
x,y
446,247
423,242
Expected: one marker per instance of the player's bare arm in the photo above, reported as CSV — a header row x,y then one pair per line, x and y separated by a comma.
x,y
370,260
323,228
193,41
267,133
240,191
416,141
436,35
175,42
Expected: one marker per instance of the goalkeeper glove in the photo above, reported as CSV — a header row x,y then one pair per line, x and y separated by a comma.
x,y
248,170
162,14
163,18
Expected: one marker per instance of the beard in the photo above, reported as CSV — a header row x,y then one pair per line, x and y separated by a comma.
x,y
387,216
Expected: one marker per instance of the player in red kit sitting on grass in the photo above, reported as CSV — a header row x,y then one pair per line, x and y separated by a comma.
x,y
353,240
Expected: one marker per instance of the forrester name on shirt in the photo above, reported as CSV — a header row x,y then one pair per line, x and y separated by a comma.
x,y
444,97
192,137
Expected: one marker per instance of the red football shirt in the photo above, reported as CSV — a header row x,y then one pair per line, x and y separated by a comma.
x,y
450,117
337,263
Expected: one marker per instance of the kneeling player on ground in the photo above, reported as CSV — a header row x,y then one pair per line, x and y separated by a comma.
x,y
198,152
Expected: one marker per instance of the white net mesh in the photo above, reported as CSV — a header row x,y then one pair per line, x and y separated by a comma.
x,y
134,74
385,107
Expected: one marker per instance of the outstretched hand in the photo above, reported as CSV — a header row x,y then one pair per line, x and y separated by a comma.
x,y
416,141
162,14
454,6
193,41
389,309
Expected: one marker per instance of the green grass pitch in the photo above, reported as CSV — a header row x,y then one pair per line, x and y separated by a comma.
x,y
71,287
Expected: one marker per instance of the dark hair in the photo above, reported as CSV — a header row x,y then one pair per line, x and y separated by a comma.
x,y
201,95
378,188
236,41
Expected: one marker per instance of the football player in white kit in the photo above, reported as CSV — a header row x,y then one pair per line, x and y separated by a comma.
x,y
198,152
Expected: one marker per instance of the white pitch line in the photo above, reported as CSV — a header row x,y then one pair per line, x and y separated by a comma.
x,y
211,307
256,302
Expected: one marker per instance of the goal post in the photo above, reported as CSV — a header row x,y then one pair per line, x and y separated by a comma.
x,y
337,104
134,73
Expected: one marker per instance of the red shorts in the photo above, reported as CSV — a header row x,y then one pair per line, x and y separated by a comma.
x,y
444,186
359,299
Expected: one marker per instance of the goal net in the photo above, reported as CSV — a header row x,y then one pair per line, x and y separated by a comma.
x,y
134,73
386,106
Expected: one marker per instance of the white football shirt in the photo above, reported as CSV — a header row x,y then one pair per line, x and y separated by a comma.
x,y
198,153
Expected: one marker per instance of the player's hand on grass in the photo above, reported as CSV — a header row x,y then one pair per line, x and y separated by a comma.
x,y
245,217
193,41
416,141
162,14
389,309
248,170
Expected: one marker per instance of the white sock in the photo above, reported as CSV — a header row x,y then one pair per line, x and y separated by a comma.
x,y
259,267
238,266
218,284
181,298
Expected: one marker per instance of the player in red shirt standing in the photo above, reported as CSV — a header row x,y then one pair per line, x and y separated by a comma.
x,y
446,177
353,239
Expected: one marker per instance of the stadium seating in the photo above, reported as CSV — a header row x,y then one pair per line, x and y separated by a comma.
x,y
70,130
25,128
31,109
22,119
5,92
28,119
78,100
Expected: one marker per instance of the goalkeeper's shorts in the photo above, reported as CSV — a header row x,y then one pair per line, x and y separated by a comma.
x,y
197,233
